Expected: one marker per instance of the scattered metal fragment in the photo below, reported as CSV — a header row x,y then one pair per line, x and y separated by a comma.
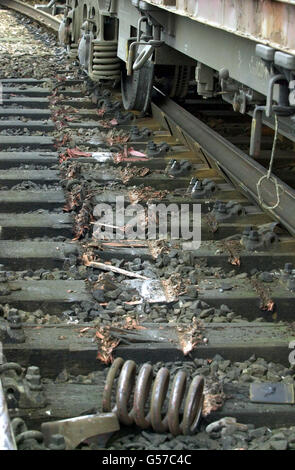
x,y
146,194
114,137
264,293
190,336
73,153
233,247
214,399
107,344
62,142
128,331
175,286
83,220
129,155
128,173
157,247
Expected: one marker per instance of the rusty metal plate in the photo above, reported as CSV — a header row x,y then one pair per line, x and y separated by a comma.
x,y
275,393
77,430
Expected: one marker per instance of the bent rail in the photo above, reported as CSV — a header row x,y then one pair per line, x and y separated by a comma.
x,y
40,16
242,170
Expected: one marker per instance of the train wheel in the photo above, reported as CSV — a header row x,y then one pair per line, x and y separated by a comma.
x,y
173,80
137,89
180,81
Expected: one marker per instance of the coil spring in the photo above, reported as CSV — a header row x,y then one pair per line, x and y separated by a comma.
x,y
140,389
105,63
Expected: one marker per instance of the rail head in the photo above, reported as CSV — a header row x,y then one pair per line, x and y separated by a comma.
x,y
41,17
243,171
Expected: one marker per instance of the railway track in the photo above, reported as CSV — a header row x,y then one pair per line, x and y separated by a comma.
x,y
71,302
41,17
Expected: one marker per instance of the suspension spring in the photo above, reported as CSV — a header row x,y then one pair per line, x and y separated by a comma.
x,y
147,408
105,63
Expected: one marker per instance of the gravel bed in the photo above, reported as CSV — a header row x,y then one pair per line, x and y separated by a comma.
x,y
31,51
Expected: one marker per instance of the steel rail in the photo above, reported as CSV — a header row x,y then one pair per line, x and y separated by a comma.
x,y
40,16
241,169
7,440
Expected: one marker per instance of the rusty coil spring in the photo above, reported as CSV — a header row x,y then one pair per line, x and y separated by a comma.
x,y
21,432
140,389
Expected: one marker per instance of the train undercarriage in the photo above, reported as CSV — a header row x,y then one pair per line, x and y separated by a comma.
x,y
178,47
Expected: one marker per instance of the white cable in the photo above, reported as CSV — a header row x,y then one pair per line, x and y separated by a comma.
x,y
268,175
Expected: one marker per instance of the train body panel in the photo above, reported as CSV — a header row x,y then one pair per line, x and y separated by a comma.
x,y
208,45
269,22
